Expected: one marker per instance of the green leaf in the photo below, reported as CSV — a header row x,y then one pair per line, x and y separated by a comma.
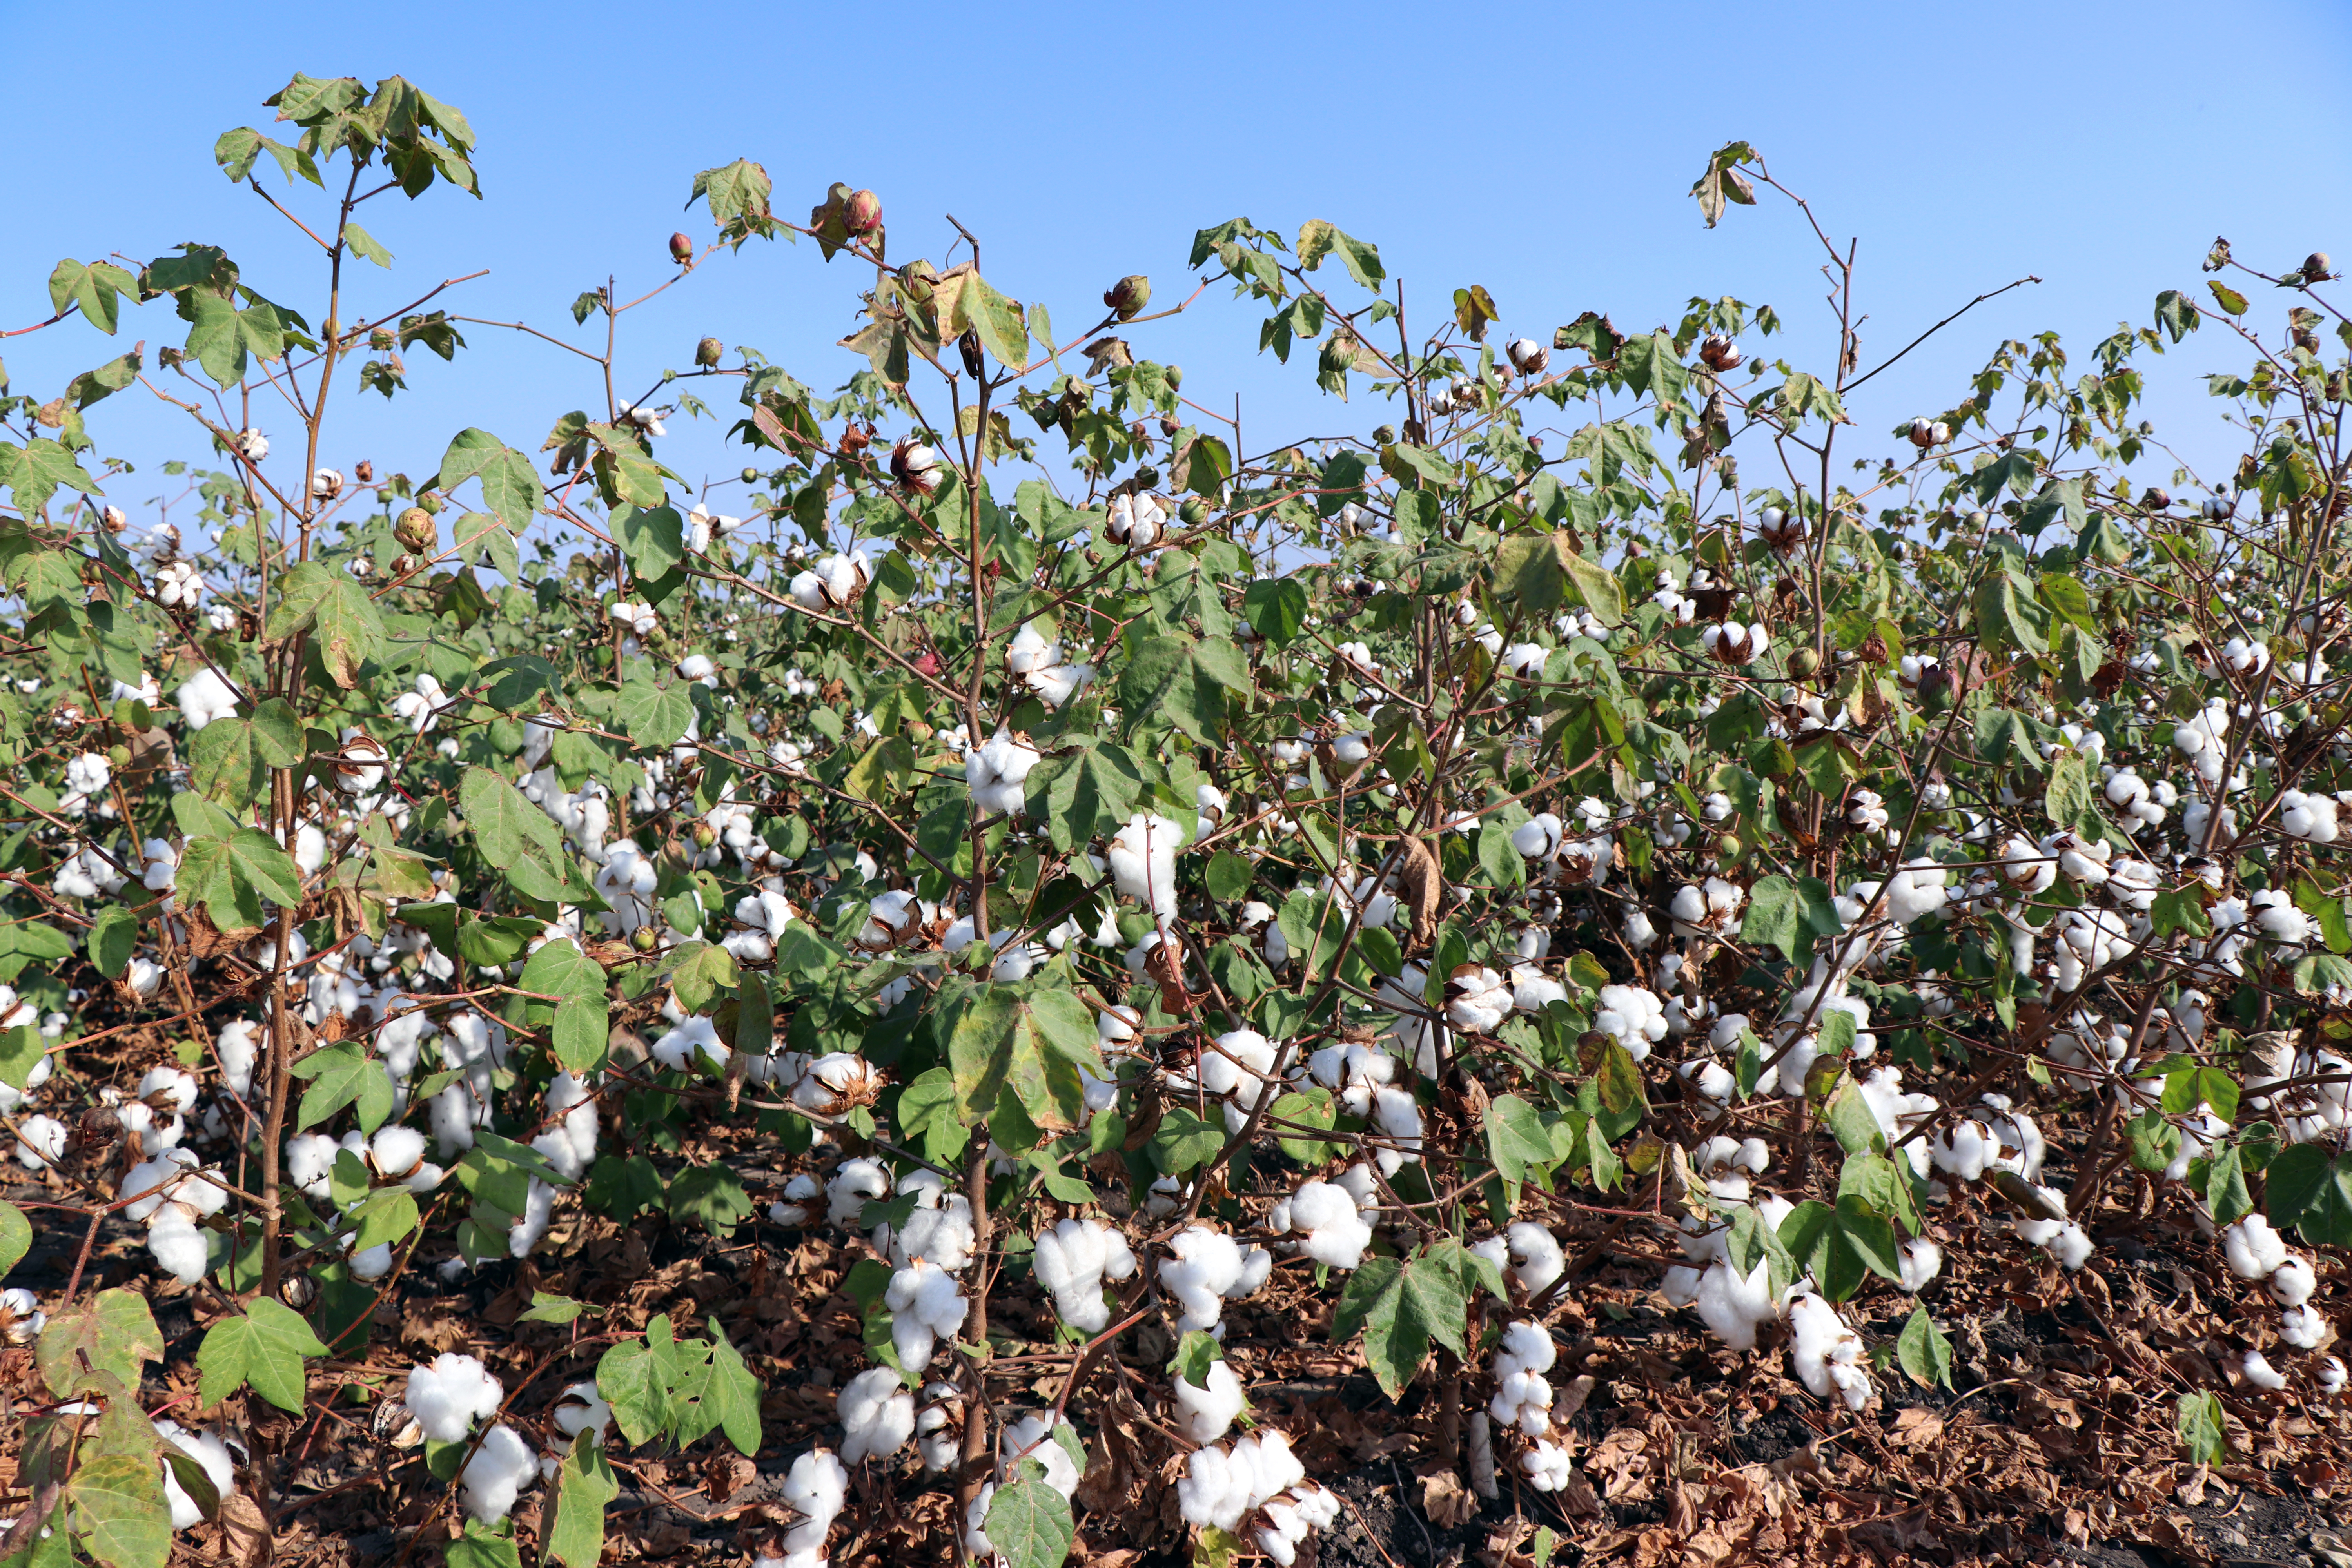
x,y
628,1380
111,1331
704,969
1842,1245
926,1113
15,1236
39,470
2203,1431
654,713
1029,1522
1317,240
509,484
1400,1307
336,611
2309,1189
1085,795
516,837
1174,680
479,1547
2228,299
96,286
653,538
121,1515
711,1196
363,244
2068,798
997,321
1925,1351
584,1485
265,1347
1029,1042
339,1075
1275,608
1788,915
21,1050
232,876
114,935
1196,1353
1851,1120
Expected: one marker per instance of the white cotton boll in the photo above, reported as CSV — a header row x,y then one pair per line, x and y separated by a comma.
x,y
2072,1246
877,1416
1680,1285
371,1263
496,1474
1826,1354
40,1142
309,1162
1537,838
205,697
995,773
814,1489
1536,1257
447,1395
1920,1262
180,1248
1732,1305
1532,989
1476,999
1634,1017
1546,1466
212,1457
1207,1268
1143,862
2332,1375
1072,1260
855,1185
2260,1374
1206,1414
2292,1282
926,1303
1333,1231
798,1203
396,1151
1398,1116
538,1215
2303,1327
2253,1249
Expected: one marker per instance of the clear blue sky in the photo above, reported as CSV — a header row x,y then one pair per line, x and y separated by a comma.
x,y
1543,150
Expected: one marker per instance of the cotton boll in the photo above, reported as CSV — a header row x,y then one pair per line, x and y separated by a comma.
x,y
2292,1282
582,1409
2303,1327
1537,1260
1476,999
2253,1249
2260,1374
2332,1375
1732,1305
814,1489
1142,857
995,773
500,1468
41,1142
448,1394
1826,1354
799,1204
877,1415
1546,1466
180,1250
212,1457
1206,1414
1072,1260
1207,1268
1333,1230
924,1302
1920,1262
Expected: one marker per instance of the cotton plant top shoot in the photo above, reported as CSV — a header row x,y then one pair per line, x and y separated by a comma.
x,y
1070,849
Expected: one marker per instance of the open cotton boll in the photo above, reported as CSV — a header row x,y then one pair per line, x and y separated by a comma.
x,y
1142,857
1208,1268
1537,838
1207,1413
448,1394
877,1415
500,1468
1398,1116
800,1200
2260,1374
180,1248
212,1457
1222,1486
1920,1262
395,1151
1072,1260
1633,1016
2253,1249
2303,1327
2292,1282
814,1489
1734,1304
926,1303
1826,1354
1546,1466
995,772
940,1232
1476,999
1536,1257
582,1409
1331,1229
